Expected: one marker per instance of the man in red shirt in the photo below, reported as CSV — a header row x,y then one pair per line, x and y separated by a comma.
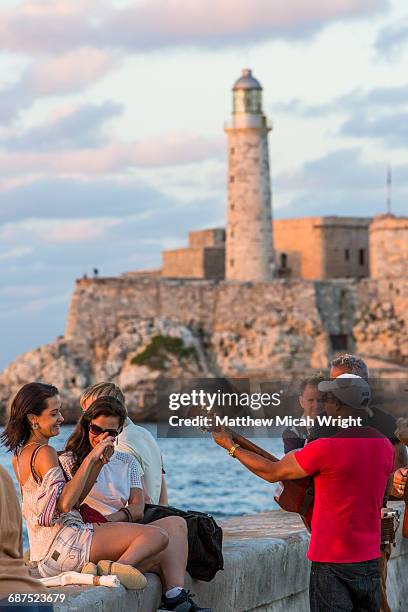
x,y
386,424
350,470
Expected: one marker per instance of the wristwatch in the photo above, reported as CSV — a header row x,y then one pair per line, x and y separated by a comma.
x,y
232,450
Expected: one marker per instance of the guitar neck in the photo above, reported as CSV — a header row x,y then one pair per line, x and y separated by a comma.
x,y
250,446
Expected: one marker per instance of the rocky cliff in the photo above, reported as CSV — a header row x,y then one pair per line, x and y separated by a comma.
x,y
135,331
136,358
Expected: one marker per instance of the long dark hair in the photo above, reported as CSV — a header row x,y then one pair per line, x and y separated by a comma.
x,y
78,443
30,399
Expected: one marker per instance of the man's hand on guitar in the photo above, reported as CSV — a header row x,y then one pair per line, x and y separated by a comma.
x,y
222,438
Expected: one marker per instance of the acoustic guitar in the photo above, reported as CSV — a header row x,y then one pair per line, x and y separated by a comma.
x,y
296,495
402,434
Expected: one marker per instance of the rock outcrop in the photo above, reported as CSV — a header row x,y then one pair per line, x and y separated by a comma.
x,y
137,359
138,331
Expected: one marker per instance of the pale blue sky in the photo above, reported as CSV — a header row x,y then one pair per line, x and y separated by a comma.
x,y
111,129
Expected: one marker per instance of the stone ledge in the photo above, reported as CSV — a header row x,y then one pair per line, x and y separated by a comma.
x,y
266,570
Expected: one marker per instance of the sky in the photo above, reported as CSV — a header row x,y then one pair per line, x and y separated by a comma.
x,y
111,130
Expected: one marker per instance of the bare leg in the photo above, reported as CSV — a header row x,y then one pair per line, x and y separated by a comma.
x,y
127,543
171,562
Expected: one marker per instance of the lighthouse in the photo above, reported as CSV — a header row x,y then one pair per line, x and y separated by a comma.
x,y
249,244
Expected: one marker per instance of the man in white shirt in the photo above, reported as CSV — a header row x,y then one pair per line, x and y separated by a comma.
x,y
137,441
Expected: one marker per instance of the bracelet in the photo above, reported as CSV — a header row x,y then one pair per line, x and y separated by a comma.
x,y
128,514
232,450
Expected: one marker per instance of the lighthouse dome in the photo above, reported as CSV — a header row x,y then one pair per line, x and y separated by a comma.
x,y
246,81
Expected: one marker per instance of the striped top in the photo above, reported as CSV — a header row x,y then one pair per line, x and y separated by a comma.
x,y
39,509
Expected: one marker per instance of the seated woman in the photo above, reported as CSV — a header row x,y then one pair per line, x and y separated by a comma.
x,y
118,495
59,539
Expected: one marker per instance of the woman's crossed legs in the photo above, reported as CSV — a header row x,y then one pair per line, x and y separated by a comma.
x,y
159,547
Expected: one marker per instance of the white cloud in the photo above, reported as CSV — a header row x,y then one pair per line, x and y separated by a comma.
x,y
168,150
71,127
216,23
61,25
341,182
79,230
47,25
56,231
65,74
15,252
70,72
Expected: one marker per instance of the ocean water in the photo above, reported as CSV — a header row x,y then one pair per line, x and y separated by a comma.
x,y
200,476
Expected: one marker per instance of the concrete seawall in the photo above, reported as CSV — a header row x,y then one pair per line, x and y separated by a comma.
x,y
266,570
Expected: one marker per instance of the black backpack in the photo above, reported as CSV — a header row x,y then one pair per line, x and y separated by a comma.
x,y
204,539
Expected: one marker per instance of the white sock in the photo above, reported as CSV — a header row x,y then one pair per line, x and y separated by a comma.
x,y
174,592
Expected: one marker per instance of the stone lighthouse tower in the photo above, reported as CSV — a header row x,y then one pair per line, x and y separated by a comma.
x,y
249,248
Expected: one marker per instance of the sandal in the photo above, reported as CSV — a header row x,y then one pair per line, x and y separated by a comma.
x,y
128,575
90,568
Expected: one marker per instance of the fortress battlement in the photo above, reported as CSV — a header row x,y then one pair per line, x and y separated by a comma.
x,y
282,323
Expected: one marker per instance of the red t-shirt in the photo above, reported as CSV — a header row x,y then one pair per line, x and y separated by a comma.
x,y
350,476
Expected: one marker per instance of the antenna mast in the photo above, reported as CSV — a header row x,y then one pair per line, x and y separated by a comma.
x,y
389,185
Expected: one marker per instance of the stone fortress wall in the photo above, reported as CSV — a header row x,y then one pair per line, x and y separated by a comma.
x,y
322,247
284,328
254,327
313,248
389,247
203,258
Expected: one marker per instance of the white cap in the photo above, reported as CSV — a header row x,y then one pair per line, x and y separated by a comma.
x,y
350,389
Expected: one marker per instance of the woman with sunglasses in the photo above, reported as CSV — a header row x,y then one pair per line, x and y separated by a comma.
x,y
118,495
60,540
118,488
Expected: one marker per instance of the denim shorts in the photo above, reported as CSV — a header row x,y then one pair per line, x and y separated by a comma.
x,y
68,552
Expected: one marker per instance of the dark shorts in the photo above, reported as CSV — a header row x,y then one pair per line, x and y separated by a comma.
x,y
345,587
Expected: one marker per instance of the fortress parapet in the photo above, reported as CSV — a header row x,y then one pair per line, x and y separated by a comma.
x,y
389,247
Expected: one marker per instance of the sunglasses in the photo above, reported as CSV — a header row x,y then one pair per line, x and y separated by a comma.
x,y
97,431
